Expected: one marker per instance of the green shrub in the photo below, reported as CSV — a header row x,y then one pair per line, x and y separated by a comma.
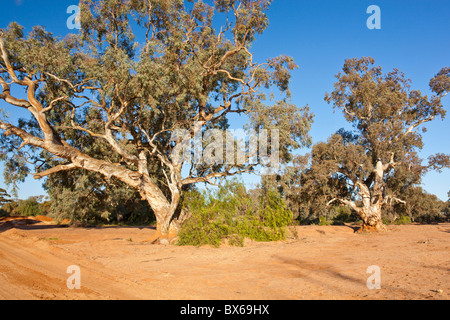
x,y
323,221
86,198
230,213
33,206
204,227
10,207
403,220
29,207
430,218
343,215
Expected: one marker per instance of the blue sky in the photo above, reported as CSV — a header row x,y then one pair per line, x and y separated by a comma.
x,y
320,35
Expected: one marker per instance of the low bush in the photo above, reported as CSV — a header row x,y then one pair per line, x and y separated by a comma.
x,y
403,220
324,222
24,208
344,215
230,213
431,218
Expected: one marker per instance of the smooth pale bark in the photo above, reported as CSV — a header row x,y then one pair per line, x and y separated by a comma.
x,y
372,215
167,226
372,200
372,220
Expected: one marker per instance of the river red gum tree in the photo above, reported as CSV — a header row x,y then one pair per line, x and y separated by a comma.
x,y
386,116
136,72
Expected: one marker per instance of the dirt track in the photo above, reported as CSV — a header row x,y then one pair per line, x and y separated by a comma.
x,y
322,263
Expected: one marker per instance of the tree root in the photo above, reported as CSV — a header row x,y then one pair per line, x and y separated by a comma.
x,y
372,229
159,238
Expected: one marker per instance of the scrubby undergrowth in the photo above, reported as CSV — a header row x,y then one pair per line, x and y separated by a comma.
x,y
231,213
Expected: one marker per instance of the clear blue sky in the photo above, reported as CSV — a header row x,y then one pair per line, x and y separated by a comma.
x,y
320,35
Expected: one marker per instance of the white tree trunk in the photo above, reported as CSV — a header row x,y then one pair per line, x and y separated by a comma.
x,y
372,219
373,200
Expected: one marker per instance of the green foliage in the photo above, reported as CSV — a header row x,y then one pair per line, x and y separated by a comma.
x,y
116,97
379,157
231,213
4,197
343,215
32,206
403,220
114,93
420,207
446,210
323,221
29,207
337,215
86,197
274,213
8,208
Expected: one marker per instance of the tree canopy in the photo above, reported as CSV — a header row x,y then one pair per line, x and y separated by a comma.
x,y
376,164
107,100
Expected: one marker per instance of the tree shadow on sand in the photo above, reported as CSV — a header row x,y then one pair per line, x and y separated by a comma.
x,y
330,278
28,224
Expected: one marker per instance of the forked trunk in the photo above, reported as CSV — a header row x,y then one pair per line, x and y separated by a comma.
x,y
373,200
168,219
372,220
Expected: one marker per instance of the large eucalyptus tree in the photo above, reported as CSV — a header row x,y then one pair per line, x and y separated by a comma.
x,y
378,157
135,73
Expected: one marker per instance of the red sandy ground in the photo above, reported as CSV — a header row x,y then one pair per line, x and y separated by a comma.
x,y
328,262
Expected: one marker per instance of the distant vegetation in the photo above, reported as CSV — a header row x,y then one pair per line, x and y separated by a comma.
x,y
4,197
33,206
231,213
